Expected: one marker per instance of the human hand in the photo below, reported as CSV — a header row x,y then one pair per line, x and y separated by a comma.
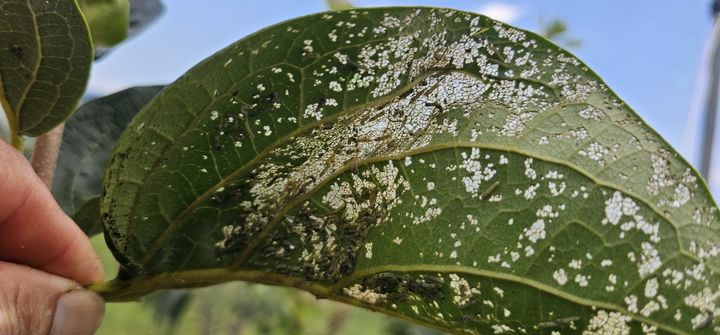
x,y
44,259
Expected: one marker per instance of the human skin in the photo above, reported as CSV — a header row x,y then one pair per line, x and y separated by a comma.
x,y
45,259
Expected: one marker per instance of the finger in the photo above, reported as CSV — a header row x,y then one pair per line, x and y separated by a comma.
x,y
35,302
34,230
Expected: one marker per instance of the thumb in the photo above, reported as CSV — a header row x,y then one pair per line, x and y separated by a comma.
x,y
35,302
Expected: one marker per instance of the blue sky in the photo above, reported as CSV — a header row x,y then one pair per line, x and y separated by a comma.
x,y
649,52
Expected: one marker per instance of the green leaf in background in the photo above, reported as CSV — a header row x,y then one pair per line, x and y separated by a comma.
x,y
109,20
557,31
142,14
89,137
431,164
340,4
45,62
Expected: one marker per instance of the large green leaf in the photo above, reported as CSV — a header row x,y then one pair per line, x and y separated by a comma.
x,y
89,137
109,20
45,60
431,164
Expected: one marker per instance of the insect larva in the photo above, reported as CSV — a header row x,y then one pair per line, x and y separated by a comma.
x,y
436,105
490,190
559,323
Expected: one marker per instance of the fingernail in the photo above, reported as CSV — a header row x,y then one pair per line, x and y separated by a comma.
x,y
78,312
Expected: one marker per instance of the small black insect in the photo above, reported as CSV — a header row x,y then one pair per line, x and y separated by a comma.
x,y
217,143
306,210
427,289
436,105
233,243
221,198
17,51
322,101
434,280
348,265
469,318
239,136
272,252
559,323
306,56
256,111
355,66
385,283
270,98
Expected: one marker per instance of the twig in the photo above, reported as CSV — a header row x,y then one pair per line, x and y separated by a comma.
x,y
45,154
16,140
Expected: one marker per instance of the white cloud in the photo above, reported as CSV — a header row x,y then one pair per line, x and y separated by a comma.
x,y
501,12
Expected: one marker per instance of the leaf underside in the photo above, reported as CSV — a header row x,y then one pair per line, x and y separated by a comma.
x,y
432,164
45,62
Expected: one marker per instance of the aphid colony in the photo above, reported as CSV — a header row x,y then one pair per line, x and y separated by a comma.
x,y
323,244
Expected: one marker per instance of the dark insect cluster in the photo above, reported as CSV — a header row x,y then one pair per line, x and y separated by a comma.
x,y
323,244
248,217
233,126
400,287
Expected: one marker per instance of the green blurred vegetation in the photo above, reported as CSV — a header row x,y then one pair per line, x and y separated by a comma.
x,y
108,20
339,4
241,308
556,30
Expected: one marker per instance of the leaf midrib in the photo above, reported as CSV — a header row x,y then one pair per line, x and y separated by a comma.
x,y
122,290
33,79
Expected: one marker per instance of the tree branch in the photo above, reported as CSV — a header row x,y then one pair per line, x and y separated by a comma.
x,y
45,154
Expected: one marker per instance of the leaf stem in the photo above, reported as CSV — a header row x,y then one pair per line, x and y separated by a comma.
x,y
45,154
118,290
131,290
16,140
